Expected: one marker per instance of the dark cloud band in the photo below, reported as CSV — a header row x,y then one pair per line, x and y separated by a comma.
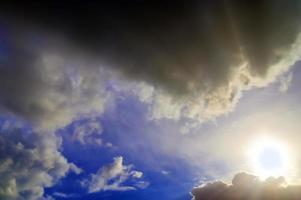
x,y
199,53
174,44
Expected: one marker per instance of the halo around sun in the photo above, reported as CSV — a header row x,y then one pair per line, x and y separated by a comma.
x,y
270,157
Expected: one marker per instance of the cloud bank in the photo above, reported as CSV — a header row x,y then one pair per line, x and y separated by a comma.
x,y
197,56
248,187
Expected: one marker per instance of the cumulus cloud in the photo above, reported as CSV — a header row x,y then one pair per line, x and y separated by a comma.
x,y
199,56
29,162
113,176
248,187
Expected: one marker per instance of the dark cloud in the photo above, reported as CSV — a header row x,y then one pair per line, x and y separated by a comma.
x,y
208,50
45,85
174,44
248,187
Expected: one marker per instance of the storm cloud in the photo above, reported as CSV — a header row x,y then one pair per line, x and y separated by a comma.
x,y
248,187
197,55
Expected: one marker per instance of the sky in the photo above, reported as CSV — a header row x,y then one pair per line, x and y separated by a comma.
x,y
150,100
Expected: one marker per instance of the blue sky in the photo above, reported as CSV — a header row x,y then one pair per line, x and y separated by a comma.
x,y
164,173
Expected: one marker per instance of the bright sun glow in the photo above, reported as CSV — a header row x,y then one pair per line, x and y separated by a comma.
x,y
269,157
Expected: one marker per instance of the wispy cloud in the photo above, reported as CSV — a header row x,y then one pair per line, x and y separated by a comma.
x,y
113,177
88,132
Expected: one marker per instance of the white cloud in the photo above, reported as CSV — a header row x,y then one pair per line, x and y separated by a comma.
x,y
136,174
88,132
64,195
113,177
75,168
164,172
29,162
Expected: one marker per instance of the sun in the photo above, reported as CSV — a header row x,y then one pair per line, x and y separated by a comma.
x,y
269,157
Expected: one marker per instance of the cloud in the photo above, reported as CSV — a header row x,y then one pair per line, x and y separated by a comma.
x,y
192,61
198,56
75,168
113,176
248,187
63,195
47,86
164,172
29,162
50,87
137,174
285,82
88,132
